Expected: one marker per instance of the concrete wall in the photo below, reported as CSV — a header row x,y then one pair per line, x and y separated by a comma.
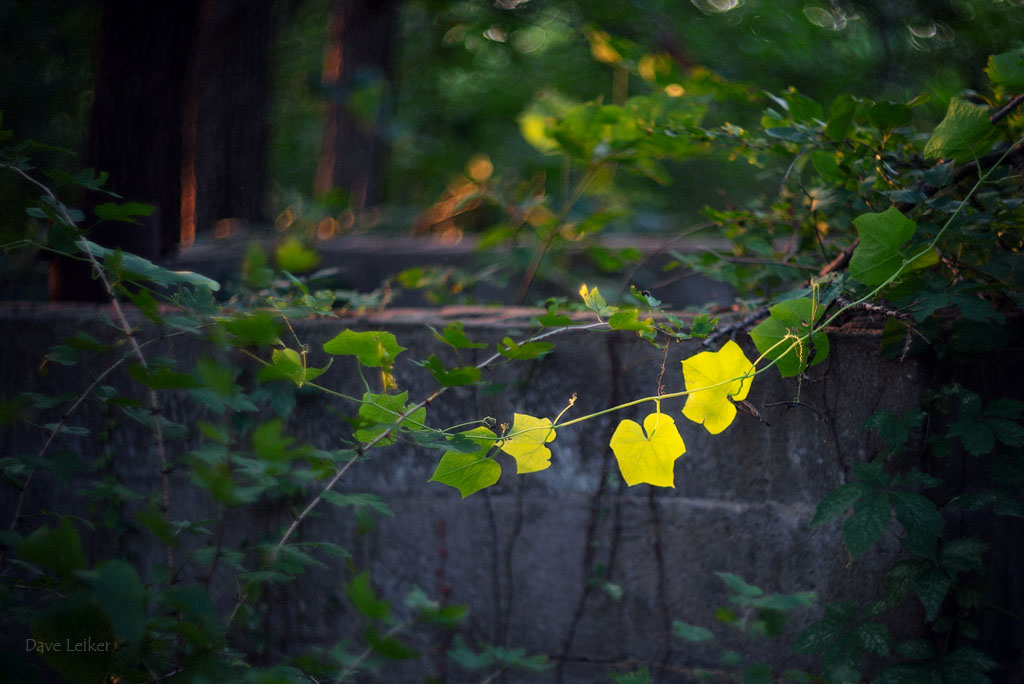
x,y
523,554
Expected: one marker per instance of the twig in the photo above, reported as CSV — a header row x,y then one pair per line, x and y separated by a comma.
x,y
733,328
130,335
384,435
1002,113
840,262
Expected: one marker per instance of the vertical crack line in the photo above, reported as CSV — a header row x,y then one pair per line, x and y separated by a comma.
x,y
595,513
500,616
660,593
509,585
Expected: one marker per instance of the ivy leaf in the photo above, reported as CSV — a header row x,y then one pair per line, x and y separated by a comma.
x,y
456,377
837,502
455,336
511,349
869,521
379,413
526,443
931,585
712,378
963,134
364,598
469,472
791,319
878,256
648,458
373,348
257,329
286,364
593,300
628,319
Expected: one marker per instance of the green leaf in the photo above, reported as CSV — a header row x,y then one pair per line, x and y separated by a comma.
x,y
909,673
122,597
295,257
931,585
373,348
738,585
257,329
360,592
878,255
162,377
976,435
133,267
895,430
888,115
628,319
1006,70
593,300
783,336
359,500
837,502
456,377
870,519
58,549
922,521
963,134
454,336
380,412
963,555
690,632
389,646
288,364
511,349
819,636
126,212
757,674
874,637
469,473
840,117
154,521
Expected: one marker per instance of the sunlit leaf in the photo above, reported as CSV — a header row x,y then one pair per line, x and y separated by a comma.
x,y
295,257
287,364
648,455
878,256
469,472
380,412
526,441
963,134
712,378
373,348
782,337
454,335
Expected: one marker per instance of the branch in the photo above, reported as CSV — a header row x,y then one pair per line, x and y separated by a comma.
x,y
151,401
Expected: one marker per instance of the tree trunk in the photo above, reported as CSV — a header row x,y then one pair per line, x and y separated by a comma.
x,y
224,174
179,121
143,51
358,57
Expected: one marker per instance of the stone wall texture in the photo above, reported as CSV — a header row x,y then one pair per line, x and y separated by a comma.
x,y
567,562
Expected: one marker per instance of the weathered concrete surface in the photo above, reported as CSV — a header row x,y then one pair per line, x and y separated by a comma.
x,y
530,554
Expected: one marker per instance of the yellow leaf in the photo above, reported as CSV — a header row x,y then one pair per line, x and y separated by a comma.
x,y
648,458
712,378
526,443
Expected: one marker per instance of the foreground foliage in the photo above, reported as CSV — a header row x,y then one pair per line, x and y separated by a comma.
x,y
921,226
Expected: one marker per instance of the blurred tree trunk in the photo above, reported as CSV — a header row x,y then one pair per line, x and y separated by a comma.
x,y
135,128
357,64
179,121
226,130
